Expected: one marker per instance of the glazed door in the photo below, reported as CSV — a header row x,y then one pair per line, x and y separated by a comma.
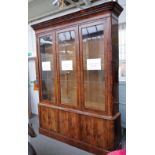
x,y
68,57
93,74
47,67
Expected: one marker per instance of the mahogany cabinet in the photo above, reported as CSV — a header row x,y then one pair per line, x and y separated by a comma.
x,y
78,78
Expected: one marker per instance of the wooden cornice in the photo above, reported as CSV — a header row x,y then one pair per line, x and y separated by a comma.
x,y
108,6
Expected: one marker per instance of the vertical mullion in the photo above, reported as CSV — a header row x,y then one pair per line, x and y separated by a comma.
x,y
54,67
77,50
57,70
39,68
81,69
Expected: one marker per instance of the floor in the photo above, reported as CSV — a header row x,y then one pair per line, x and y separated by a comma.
x,y
48,146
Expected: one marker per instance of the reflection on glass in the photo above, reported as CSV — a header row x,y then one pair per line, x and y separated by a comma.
x,y
93,57
46,54
67,59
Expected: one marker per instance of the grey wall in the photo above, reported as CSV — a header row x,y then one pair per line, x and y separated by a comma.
x,y
38,8
122,102
33,94
122,84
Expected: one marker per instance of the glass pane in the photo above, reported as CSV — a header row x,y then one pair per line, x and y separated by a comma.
x,y
67,59
46,52
93,57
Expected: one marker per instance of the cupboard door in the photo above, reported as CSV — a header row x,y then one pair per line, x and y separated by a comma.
x,y
47,68
43,117
68,70
92,51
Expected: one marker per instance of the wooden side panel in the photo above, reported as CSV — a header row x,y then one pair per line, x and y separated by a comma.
x,y
117,131
115,61
44,122
53,119
110,135
108,66
69,124
114,133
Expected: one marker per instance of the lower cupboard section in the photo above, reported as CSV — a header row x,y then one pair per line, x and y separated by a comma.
x,y
96,135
